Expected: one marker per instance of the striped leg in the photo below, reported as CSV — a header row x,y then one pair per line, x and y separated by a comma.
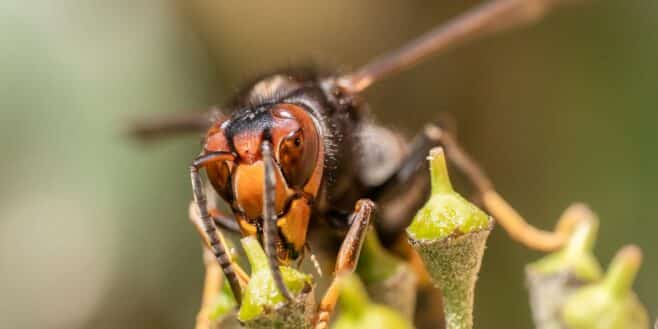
x,y
269,220
213,276
195,219
216,247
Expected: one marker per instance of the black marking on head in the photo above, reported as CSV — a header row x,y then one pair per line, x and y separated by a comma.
x,y
249,119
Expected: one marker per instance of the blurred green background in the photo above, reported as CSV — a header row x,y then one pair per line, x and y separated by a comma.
x,y
93,228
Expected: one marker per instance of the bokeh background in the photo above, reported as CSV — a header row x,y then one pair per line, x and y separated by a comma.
x,y
93,228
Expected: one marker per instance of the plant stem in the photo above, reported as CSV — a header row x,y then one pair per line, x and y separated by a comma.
x,y
458,300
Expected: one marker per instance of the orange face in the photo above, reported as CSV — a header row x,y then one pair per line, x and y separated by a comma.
x,y
298,154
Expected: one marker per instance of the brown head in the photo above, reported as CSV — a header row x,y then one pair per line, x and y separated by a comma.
x,y
298,154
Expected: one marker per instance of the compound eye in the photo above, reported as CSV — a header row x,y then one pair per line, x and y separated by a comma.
x,y
219,175
297,156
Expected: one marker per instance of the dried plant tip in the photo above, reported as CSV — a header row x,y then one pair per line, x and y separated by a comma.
x,y
389,280
263,306
357,312
610,303
552,279
450,235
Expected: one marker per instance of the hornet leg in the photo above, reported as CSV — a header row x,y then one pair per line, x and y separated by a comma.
x,y
269,220
218,249
213,273
347,259
195,219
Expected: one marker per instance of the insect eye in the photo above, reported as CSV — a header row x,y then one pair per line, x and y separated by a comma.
x,y
297,156
219,175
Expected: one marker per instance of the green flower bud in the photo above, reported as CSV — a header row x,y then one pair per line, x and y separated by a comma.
x,y
446,213
450,235
263,306
357,312
611,303
576,256
553,278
